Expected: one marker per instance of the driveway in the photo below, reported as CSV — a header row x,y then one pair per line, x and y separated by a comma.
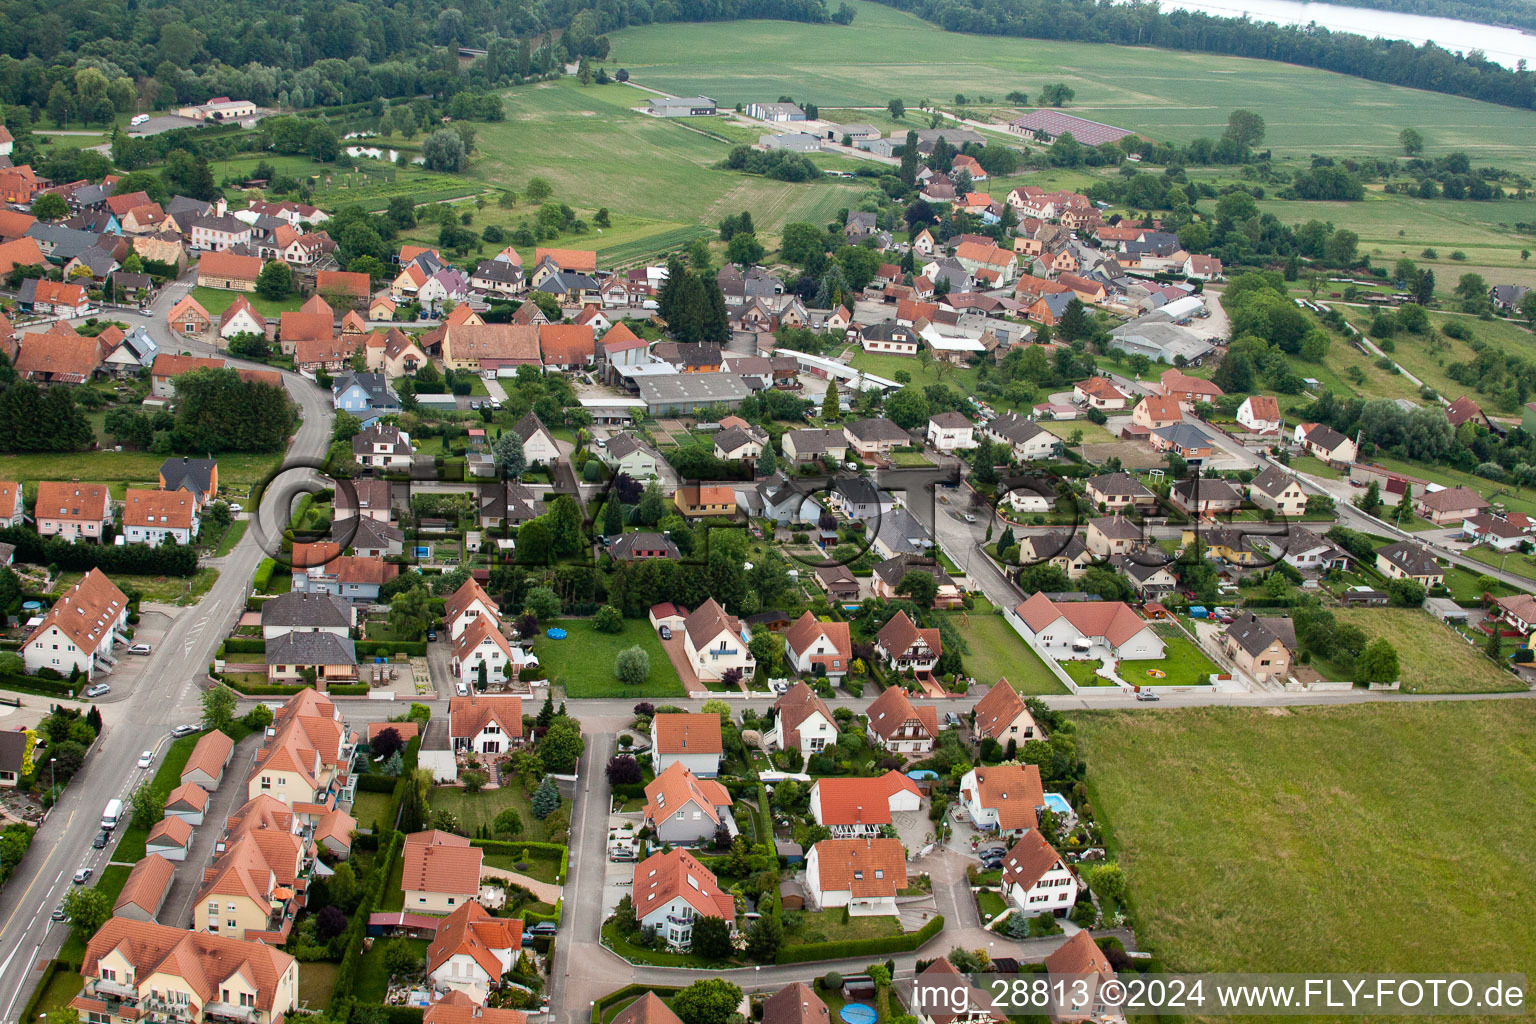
x,y
440,664
177,911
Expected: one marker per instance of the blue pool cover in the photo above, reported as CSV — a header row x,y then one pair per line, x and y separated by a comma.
x,y
557,633
857,1013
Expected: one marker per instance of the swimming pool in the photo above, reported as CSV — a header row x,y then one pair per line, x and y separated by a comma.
x,y
423,552
1057,803
857,1013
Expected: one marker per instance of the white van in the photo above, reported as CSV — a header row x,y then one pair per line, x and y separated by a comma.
x,y
111,814
139,119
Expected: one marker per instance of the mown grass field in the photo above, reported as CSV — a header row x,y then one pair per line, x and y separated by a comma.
x,y
1432,656
1371,837
997,652
238,472
656,177
1166,94
583,661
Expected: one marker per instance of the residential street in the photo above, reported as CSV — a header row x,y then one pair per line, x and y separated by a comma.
x,y
138,715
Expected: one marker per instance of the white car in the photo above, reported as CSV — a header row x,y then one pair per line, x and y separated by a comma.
x,y
98,690
146,759
236,508
462,689
139,649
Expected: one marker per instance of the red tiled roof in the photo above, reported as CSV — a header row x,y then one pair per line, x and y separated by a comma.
x,y
441,862
688,733
229,265
861,801
675,787
866,868
88,609
663,877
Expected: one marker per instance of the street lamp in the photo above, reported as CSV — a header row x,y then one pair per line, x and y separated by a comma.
x,y
53,783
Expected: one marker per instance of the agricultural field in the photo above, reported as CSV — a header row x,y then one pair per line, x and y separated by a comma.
x,y
1323,839
1166,94
1433,657
656,177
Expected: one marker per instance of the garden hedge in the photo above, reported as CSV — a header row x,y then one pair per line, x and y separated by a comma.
x,y
376,783
348,689
260,689
346,976
381,648
531,917
245,645
53,967
848,948
513,849
32,684
392,1014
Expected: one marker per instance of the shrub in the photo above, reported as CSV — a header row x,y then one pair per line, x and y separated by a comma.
x,y
608,620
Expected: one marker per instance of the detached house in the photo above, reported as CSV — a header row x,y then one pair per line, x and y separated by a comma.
x,y
863,875
818,648
1278,490
1099,393
906,648
1257,647
1326,443
1078,973
442,872
963,1003
899,726
79,630
1450,505
1035,878
481,654
684,808
1002,716
1115,492
671,890
875,437
1005,798
471,951
691,739
485,724
950,432
862,807
468,603
714,643
1406,560
1260,414
1088,629
1026,440
383,447
539,446
802,721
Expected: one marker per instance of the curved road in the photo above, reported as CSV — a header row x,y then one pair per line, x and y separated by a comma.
x,y
164,695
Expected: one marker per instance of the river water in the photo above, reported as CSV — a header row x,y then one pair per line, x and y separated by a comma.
x,y
1503,45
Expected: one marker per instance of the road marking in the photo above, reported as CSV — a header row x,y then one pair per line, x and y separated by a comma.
x,y
12,1004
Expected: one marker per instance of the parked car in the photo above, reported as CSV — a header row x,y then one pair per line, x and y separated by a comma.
x,y
462,689
98,690
542,928
139,649
100,842
1147,695
183,730
666,632
236,508
431,635
146,759
83,875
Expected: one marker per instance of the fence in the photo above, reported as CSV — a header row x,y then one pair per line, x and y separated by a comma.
x,y
1060,673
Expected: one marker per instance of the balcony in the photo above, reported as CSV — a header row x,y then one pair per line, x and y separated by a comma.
x,y
121,991
229,1011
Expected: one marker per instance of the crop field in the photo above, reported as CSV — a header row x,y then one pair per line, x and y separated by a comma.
x,y
1374,837
1166,94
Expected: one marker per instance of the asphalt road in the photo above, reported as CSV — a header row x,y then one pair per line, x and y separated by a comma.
x,y
139,715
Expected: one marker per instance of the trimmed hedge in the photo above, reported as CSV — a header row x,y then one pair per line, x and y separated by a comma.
x,y
764,819
348,689
260,690
346,976
415,648
245,645
53,967
535,916
377,783
513,849
392,1014
848,948
46,687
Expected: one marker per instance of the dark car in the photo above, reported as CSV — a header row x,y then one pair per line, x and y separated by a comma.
x,y
431,634
100,842
542,928
666,632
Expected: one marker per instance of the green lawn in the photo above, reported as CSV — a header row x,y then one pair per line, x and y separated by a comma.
x,y
217,300
1433,657
1464,587
373,809
1323,839
997,652
476,809
583,661
231,537
180,590
989,904
962,378
652,957
829,926
1513,501
317,980
538,864
1511,561
111,881
62,987
372,976
1183,661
